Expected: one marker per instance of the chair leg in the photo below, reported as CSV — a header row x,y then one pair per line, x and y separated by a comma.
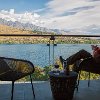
x,y
89,80
78,80
76,86
79,77
12,90
32,86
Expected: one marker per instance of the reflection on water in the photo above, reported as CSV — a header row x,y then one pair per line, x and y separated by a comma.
x,y
39,53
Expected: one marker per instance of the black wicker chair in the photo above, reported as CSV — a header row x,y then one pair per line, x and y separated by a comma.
x,y
12,69
89,65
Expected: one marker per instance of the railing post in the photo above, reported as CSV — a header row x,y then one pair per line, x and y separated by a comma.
x,y
49,52
53,38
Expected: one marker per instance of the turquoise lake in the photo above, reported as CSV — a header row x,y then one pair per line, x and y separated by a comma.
x,y
38,54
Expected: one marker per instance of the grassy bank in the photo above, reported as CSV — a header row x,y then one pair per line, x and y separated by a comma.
x,y
35,40
41,73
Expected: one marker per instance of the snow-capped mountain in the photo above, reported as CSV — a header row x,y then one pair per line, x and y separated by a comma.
x,y
26,26
92,29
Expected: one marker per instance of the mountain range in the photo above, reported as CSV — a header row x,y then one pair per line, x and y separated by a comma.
x,y
27,26
92,29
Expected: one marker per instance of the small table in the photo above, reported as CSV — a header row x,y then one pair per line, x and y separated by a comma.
x,y
62,85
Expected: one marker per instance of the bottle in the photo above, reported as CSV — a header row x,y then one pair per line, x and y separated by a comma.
x,y
64,65
66,68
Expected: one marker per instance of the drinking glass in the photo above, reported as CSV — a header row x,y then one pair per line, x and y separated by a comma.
x,y
56,68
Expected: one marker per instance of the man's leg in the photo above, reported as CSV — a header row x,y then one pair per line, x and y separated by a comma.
x,y
77,56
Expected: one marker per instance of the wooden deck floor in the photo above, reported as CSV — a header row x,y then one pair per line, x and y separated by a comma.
x,y
23,91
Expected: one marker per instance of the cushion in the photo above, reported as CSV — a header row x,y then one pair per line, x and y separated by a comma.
x,y
96,53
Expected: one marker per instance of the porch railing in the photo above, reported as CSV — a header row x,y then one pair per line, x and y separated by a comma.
x,y
51,40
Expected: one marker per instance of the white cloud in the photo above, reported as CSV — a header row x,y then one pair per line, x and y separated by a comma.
x,y
82,18
10,15
11,11
61,14
58,7
39,10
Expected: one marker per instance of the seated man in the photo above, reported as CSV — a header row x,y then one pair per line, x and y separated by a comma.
x,y
82,54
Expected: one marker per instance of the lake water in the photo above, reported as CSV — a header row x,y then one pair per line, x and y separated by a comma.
x,y
38,54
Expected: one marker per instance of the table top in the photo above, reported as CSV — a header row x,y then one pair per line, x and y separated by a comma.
x,y
62,74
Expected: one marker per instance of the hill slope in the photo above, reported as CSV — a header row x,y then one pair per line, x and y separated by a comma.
x,y
4,29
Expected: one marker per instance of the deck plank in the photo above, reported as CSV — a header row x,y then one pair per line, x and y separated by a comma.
x,y
23,91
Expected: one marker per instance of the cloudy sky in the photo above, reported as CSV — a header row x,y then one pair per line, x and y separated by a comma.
x,y
71,15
